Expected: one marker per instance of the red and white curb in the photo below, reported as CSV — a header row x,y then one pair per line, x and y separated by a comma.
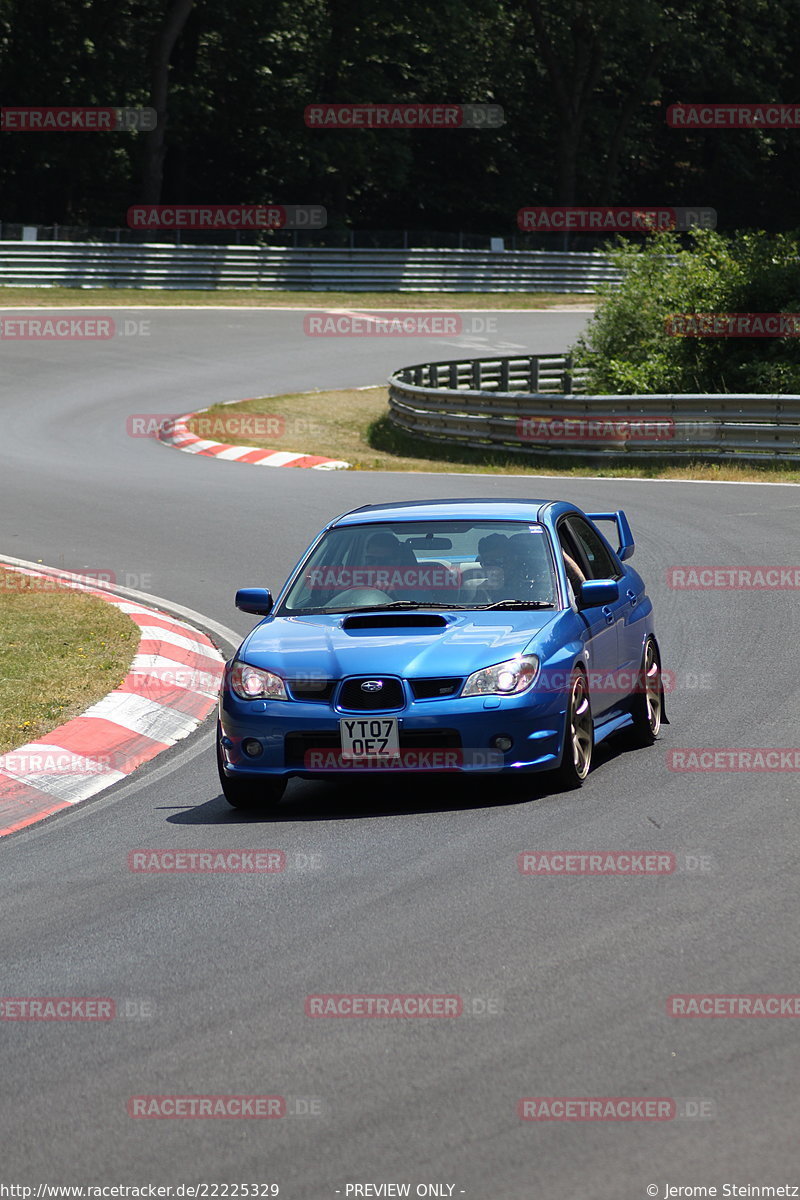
x,y
176,433
172,685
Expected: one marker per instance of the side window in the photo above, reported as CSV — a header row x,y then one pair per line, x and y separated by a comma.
x,y
573,560
599,563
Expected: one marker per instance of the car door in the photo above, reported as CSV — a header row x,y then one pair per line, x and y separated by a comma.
x,y
581,542
628,610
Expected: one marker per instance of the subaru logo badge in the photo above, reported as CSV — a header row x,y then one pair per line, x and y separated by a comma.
x,y
372,685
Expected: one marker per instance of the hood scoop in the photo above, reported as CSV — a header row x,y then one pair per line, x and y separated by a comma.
x,y
431,621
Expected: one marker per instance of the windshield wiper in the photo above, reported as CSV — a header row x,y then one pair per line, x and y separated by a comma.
x,y
377,607
519,604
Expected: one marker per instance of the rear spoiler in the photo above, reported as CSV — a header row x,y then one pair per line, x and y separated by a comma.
x,y
626,545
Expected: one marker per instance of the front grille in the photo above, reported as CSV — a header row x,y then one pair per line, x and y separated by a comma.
x,y
297,745
312,689
388,696
430,689
430,739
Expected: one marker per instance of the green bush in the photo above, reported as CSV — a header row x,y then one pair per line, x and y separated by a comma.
x,y
628,350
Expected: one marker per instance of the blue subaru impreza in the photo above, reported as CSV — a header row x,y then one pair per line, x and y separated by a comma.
x,y
449,635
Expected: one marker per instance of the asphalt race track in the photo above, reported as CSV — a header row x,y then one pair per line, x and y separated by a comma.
x,y
391,890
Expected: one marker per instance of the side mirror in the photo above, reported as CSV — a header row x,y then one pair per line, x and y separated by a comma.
x,y
594,593
254,600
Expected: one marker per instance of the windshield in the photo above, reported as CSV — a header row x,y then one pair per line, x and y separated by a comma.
x,y
441,564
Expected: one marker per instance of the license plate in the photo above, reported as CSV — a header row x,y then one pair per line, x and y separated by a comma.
x,y
370,737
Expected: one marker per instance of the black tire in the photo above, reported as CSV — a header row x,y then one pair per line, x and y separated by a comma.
x,y
647,705
249,795
578,749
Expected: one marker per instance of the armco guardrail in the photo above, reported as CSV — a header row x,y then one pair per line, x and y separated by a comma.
x,y
524,405
93,264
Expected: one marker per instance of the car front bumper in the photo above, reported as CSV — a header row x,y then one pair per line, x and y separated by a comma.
x,y
301,738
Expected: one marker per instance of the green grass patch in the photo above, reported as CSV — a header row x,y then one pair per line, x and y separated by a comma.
x,y
60,652
25,297
353,425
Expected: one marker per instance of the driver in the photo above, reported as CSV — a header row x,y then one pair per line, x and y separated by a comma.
x,y
383,549
389,566
492,553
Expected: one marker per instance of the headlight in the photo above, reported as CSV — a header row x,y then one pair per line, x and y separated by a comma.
x,y
251,683
504,679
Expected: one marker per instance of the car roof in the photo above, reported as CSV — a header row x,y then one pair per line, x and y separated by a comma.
x,y
459,509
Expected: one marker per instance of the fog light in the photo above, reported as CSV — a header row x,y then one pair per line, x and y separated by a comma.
x,y
252,747
503,742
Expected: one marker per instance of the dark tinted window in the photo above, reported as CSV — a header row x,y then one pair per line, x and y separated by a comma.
x,y
598,562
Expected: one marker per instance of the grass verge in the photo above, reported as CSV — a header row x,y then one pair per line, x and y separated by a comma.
x,y
353,425
24,297
60,652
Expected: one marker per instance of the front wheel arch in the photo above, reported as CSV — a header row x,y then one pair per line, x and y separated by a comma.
x,y
664,718
647,701
577,750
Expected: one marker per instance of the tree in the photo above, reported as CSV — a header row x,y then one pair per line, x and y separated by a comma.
x,y
640,339
155,140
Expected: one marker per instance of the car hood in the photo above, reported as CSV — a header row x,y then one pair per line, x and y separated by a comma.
x,y
335,646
